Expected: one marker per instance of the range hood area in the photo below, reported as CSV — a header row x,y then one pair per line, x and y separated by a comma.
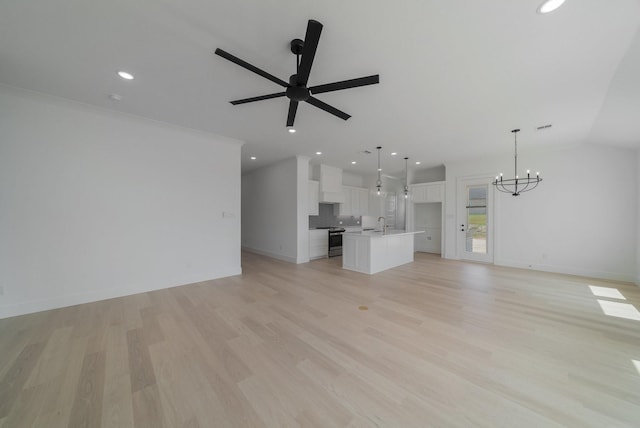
x,y
331,185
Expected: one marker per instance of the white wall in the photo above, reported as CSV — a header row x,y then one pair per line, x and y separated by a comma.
x,y
96,204
428,175
638,217
352,179
302,210
270,210
580,220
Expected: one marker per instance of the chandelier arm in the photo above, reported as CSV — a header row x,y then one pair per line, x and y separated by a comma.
x,y
501,187
534,186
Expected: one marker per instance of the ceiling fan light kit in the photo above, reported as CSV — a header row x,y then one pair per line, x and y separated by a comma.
x,y
517,185
296,89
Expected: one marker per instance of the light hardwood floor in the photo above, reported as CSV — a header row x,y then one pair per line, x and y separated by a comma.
x,y
443,343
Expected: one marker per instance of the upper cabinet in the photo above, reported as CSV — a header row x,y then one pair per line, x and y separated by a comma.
x,y
314,194
427,192
356,201
331,184
330,179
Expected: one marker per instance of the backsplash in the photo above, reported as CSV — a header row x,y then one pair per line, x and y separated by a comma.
x,y
327,217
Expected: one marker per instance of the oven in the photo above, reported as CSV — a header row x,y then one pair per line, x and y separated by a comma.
x,y
335,241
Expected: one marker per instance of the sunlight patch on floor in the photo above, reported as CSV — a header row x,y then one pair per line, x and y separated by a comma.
x,y
637,364
606,292
620,310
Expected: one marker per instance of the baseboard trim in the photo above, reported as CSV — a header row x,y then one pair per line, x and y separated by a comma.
x,y
24,308
271,255
568,270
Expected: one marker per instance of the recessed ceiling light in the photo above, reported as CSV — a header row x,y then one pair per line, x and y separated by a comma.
x,y
318,153
549,6
353,162
253,158
291,130
418,163
115,97
393,154
125,75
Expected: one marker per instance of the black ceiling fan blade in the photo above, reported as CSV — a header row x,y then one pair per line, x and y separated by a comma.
x,y
329,109
260,98
293,107
346,84
244,64
311,39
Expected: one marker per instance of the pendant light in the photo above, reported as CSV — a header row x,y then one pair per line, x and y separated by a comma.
x,y
517,185
406,178
379,182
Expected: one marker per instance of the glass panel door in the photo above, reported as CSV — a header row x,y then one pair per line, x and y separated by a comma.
x,y
475,236
476,231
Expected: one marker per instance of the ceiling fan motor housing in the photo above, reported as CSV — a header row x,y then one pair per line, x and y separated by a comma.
x,y
295,92
296,46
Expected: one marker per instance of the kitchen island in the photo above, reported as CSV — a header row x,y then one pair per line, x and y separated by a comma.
x,y
372,251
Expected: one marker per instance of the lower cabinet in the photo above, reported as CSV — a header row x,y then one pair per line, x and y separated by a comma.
x,y
318,243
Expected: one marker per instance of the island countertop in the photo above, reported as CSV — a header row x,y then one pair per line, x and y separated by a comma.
x,y
379,234
372,251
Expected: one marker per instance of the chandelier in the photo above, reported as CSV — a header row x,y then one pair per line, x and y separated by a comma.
x,y
517,185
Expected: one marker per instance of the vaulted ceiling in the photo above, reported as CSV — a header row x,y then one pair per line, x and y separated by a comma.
x,y
455,76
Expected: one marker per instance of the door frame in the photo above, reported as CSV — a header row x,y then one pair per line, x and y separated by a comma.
x,y
461,218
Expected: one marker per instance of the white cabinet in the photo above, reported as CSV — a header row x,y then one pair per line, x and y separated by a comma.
x,y
330,185
330,179
435,192
425,212
318,243
314,194
427,192
346,208
356,201
418,193
371,253
363,201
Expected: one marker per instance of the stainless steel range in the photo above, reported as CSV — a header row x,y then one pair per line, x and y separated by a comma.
x,y
335,240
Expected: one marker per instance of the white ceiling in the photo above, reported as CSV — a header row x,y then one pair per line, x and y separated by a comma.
x,y
455,76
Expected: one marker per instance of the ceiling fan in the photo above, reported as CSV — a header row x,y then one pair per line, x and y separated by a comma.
x,y
297,90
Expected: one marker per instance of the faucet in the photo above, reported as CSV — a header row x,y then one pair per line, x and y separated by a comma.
x,y
384,224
